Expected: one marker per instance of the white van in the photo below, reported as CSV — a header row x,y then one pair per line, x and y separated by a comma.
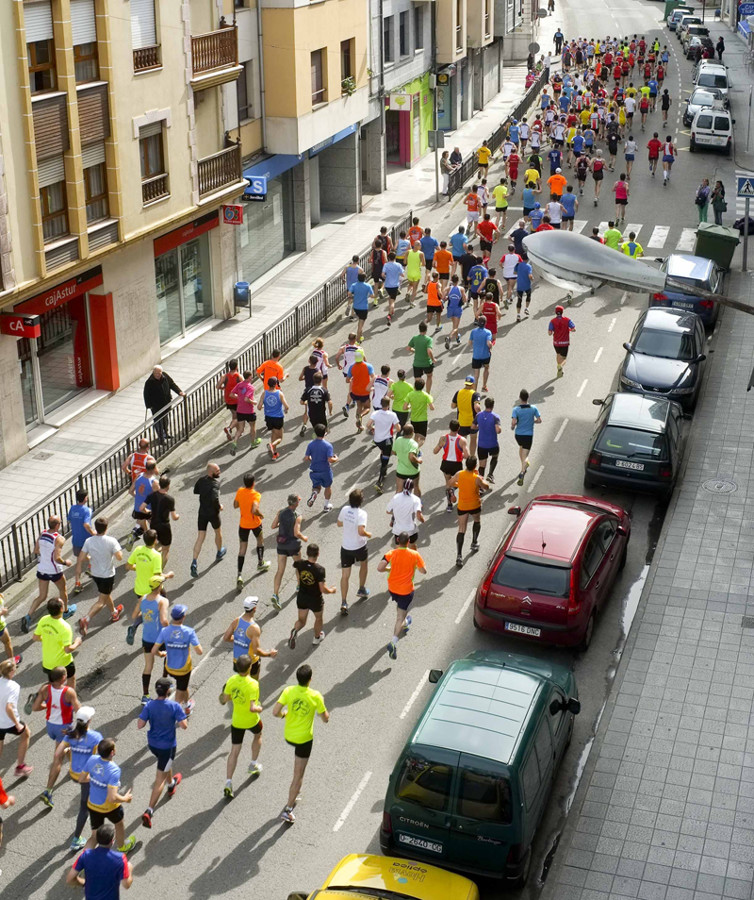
x,y
712,127
711,74
678,13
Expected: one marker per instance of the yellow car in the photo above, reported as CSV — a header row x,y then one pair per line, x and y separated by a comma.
x,y
391,879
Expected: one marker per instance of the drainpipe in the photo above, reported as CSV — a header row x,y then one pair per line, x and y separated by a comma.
x,y
435,110
381,97
261,75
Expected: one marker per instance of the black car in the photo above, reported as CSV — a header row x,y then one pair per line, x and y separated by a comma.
x,y
665,356
695,48
637,444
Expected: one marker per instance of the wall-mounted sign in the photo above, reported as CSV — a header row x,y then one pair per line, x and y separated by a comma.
x,y
20,326
233,214
257,188
400,102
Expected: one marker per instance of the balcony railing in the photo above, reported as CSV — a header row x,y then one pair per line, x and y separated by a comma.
x,y
219,170
147,58
154,188
215,50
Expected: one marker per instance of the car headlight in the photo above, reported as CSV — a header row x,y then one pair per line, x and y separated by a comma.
x,y
629,383
683,391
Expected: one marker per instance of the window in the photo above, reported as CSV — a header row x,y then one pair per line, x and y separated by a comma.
x,y
346,59
387,40
244,93
425,783
418,27
487,17
591,560
86,62
606,532
146,51
524,575
543,747
617,440
41,66
459,24
52,198
151,151
530,780
95,183
319,83
484,797
403,33
84,30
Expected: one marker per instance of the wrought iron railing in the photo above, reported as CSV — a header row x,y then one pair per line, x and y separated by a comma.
x,y
215,50
219,170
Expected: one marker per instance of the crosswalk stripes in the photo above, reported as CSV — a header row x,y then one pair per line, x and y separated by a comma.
x,y
687,240
659,236
579,225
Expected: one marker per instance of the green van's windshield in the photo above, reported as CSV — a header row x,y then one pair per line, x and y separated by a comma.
x,y
425,783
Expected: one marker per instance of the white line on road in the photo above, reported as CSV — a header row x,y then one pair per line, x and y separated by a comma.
x,y
465,607
352,802
412,698
559,435
581,389
611,325
659,236
624,298
599,353
535,479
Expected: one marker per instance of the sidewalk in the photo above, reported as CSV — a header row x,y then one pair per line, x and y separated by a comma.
x,y
665,809
51,464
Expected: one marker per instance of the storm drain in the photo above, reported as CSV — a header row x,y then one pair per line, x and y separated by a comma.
x,y
720,486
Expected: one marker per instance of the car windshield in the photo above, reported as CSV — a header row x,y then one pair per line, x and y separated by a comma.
x,y
709,79
665,344
704,121
525,575
703,98
630,442
425,783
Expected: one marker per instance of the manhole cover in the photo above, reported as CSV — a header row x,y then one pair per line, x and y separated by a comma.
x,y
720,486
42,455
747,622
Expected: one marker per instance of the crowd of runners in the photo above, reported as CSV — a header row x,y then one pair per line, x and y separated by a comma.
x,y
605,94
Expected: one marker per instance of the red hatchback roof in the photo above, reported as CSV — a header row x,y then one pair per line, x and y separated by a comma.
x,y
557,522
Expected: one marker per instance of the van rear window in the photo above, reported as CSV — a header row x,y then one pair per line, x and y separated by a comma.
x,y
522,575
721,124
425,783
486,798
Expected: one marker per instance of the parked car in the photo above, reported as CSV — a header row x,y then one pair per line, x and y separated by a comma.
x,y
684,23
712,128
665,356
637,444
554,570
472,782
362,877
678,13
697,45
712,74
701,98
693,31
697,271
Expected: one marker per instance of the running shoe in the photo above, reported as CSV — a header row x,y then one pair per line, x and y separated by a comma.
x,y
318,638
526,311
344,608
194,570
310,501
447,343
474,546
78,843
459,562
30,703
362,592
345,411
78,588
23,771
239,584
263,565
275,601
303,431
271,449
228,791
70,611
491,479
518,317
520,481
46,798
129,845
378,487
287,815
275,456
131,633
392,650
145,698
407,624
173,786
458,339
449,508
227,431
292,639
83,625
255,769
189,708
233,449
129,541
560,372
18,659
220,553
146,819
256,442
389,321
327,507
360,340
115,617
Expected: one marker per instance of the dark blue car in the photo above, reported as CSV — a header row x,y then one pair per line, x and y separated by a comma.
x,y
693,270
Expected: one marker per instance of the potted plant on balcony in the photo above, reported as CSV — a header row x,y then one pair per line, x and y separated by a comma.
x,y
348,86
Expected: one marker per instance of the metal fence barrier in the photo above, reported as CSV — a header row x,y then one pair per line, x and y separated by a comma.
x,y
105,479
468,167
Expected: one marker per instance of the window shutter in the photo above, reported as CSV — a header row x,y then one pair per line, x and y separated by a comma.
x,y
83,22
51,171
92,155
143,32
94,114
50,126
38,21
150,130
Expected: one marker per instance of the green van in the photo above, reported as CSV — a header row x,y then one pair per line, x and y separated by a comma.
x,y
472,782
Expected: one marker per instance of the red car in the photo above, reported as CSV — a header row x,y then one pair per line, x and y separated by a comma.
x,y
554,570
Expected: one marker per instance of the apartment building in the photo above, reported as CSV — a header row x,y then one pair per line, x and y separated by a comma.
x,y
114,165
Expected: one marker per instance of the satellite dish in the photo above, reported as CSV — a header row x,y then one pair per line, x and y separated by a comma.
x,y
542,12
534,47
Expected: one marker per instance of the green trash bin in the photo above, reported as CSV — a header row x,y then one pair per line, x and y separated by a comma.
x,y
717,242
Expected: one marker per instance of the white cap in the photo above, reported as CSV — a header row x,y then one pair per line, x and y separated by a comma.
x,y
558,170
250,603
84,713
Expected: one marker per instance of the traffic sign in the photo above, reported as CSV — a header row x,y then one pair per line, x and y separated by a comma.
x,y
745,186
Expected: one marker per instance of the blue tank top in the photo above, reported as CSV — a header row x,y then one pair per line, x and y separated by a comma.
x,y
273,405
241,643
454,297
151,612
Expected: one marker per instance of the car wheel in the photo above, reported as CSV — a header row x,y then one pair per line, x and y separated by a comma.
x,y
524,876
476,624
727,150
589,482
588,633
623,558
692,145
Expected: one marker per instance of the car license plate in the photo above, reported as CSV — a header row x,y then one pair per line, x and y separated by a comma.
x,y
625,464
420,843
523,629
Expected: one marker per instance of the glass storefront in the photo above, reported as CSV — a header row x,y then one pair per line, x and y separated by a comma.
x,y
266,235
184,287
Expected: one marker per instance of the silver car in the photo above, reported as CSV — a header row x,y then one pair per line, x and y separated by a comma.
x,y
699,99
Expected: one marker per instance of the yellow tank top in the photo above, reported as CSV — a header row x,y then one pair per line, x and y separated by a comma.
x,y
413,265
465,405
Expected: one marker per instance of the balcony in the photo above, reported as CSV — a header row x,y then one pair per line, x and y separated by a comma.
x,y
153,189
221,170
214,58
147,58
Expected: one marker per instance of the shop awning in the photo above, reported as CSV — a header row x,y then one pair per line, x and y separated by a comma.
x,y
273,165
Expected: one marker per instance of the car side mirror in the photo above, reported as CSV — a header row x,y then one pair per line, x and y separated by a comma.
x,y
733,121
574,706
598,402
627,346
622,530
701,357
514,511
435,675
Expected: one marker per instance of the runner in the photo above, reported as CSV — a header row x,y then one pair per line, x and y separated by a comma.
x,y
161,506
435,300
178,639
473,206
78,745
480,340
208,490
509,262
144,485
476,277
297,705
429,247
400,390
470,484
405,511
133,465
105,800
275,408
456,300
244,632
612,237
392,272
101,870
489,308
467,402
403,563
350,276
50,565
243,691
317,404
5,635
102,551
424,358
146,561
164,716
58,644
597,167
500,195
418,402
523,419
353,520
243,394
247,501
569,204
415,264
560,328
457,247
668,158
483,157
10,723
621,191
378,258
360,378
665,102
320,455
488,233
453,449
488,428
80,520
408,454
524,277
152,609
629,148
227,383
289,538
632,247
271,368
382,424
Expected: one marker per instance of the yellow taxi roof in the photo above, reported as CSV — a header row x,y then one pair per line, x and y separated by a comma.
x,y
402,877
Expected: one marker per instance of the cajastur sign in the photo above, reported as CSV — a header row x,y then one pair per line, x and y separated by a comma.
x,y
20,326
61,293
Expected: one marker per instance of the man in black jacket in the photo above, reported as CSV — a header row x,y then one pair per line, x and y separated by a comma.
x,y
157,393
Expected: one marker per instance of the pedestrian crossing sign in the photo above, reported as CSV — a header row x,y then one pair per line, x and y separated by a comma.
x,y
745,186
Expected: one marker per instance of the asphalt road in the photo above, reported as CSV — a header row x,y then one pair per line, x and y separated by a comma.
x,y
201,845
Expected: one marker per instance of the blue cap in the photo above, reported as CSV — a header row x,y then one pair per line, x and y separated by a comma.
x,y
178,611
470,379
537,206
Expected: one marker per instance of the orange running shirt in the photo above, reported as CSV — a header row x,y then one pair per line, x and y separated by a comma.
x,y
468,491
246,498
270,369
442,261
403,563
433,294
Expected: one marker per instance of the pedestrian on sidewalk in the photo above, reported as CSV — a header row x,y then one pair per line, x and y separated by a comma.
x,y
558,39
720,47
719,204
158,389
102,551
208,490
446,167
702,199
